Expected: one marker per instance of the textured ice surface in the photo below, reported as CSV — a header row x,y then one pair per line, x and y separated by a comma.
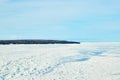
x,y
85,61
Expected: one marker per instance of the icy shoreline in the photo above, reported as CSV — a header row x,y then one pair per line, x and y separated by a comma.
x,y
86,61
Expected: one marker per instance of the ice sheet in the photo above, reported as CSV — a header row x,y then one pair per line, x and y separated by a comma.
x,y
85,61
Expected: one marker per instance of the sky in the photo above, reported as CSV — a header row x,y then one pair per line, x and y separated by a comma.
x,y
78,20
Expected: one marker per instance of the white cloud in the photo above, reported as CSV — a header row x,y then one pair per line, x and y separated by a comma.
x,y
55,10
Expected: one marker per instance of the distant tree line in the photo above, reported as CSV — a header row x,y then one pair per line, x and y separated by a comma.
x,y
37,42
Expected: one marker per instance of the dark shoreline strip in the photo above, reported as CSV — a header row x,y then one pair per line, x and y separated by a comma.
x,y
37,42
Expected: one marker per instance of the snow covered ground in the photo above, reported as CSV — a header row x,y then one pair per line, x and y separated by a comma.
x,y
85,61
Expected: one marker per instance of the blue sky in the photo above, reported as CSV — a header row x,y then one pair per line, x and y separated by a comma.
x,y
79,20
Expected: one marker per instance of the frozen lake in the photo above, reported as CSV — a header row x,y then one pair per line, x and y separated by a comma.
x,y
85,61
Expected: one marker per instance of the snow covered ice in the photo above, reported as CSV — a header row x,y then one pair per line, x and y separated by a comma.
x,y
85,61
